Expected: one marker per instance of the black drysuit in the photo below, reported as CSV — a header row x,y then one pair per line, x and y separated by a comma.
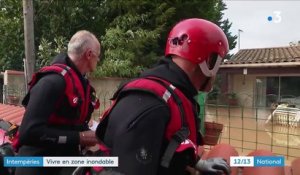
x,y
37,137
137,124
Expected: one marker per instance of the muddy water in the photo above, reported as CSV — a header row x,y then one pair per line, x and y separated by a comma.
x,y
246,130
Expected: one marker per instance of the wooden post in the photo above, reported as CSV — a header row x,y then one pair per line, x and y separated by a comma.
x,y
29,38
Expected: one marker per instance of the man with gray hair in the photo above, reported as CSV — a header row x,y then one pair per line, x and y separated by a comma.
x,y
59,105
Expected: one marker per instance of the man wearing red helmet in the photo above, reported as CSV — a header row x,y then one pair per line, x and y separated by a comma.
x,y
152,125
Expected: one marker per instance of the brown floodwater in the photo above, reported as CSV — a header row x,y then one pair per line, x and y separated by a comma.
x,y
246,129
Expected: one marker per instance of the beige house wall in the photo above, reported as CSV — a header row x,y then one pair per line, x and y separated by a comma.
x,y
13,79
106,85
105,88
244,87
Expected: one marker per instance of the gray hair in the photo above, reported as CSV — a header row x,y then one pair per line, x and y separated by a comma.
x,y
80,41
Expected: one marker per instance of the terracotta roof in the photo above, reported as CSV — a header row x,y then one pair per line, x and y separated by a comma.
x,y
12,113
278,55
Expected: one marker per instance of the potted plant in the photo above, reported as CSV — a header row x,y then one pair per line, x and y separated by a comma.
x,y
212,97
232,99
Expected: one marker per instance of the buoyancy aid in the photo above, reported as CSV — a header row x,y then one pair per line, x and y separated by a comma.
x,y
79,99
181,129
74,91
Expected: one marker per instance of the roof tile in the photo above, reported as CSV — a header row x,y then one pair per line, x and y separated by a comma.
x,y
266,55
12,113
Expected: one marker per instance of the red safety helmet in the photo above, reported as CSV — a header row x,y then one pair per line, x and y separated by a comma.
x,y
199,41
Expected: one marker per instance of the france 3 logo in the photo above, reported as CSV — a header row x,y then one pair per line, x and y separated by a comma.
x,y
276,17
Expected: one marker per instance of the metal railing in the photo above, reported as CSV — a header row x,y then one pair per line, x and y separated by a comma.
x,y
13,94
246,129
105,102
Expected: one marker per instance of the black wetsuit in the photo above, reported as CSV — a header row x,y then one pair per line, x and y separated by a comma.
x,y
37,137
137,123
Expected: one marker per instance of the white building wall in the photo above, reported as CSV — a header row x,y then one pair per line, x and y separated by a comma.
x,y
244,87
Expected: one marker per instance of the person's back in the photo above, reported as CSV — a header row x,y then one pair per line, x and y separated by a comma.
x,y
152,126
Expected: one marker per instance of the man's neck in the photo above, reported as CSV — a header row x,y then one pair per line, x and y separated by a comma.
x,y
78,64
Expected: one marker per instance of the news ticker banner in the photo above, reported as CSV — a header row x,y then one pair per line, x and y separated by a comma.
x,y
257,161
60,161
235,161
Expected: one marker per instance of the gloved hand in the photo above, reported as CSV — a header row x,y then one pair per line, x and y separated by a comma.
x,y
87,138
213,166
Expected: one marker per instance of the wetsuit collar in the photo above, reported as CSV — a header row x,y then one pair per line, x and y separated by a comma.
x,y
168,70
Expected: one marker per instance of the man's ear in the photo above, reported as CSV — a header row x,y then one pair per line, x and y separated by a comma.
x,y
88,54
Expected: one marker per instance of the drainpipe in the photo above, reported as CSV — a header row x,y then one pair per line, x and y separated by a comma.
x,y
239,39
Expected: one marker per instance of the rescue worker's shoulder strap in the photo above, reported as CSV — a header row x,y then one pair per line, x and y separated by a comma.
x,y
122,91
182,134
60,69
65,71
72,82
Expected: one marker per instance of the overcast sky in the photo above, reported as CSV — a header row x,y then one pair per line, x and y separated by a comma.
x,y
258,31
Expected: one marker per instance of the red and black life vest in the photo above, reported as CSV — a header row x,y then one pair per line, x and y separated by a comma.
x,y
74,91
77,97
181,130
